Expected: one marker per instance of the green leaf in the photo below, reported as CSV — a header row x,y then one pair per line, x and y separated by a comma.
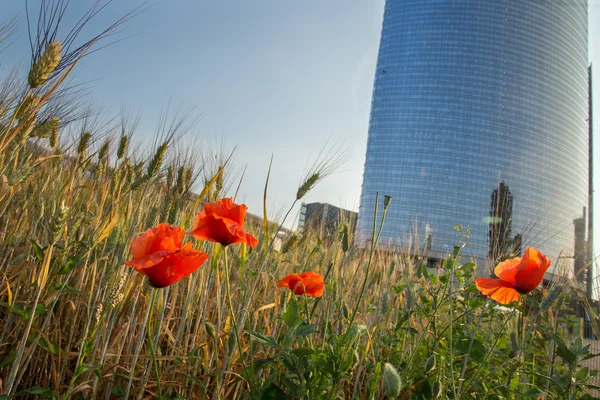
x,y
24,314
291,316
567,355
38,251
478,351
582,374
45,344
560,381
273,392
262,363
534,392
117,391
40,392
65,288
302,351
83,368
69,265
467,266
8,359
264,339
305,329
374,382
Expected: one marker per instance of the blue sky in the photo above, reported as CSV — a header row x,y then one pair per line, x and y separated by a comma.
x,y
270,77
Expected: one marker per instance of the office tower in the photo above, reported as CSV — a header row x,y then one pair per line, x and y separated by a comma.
x,y
325,218
468,94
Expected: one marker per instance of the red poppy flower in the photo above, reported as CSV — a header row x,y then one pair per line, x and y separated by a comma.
x,y
157,253
223,222
517,276
309,283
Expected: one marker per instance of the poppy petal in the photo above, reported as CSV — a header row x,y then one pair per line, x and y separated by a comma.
x,y
251,240
175,267
309,283
147,261
497,289
531,270
505,295
223,222
506,270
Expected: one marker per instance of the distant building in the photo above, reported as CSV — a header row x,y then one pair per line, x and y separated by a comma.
x,y
325,218
501,243
465,93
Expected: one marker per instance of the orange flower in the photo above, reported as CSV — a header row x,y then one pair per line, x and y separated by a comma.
x,y
157,253
309,283
517,276
223,222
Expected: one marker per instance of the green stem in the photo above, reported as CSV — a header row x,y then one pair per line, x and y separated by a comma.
x,y
151,342
374,240
489,353
233,320
466,361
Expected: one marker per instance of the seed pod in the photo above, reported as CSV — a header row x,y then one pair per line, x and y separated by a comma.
x,y
307,185
410,298
551,298
100,169
189,172
514,345
219,185
345,238
116,294
174,211
170,176
287,246
391,380
99,310
46,128
157,160
60,219
45,64
25,132
385,303
26,107
386,201
84,141
179,185
123,145
103,152
115,181
53,140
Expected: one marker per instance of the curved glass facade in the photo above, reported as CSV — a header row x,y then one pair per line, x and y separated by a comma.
x,y
476,103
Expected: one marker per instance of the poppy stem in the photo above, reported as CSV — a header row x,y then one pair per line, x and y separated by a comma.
x,y
151,342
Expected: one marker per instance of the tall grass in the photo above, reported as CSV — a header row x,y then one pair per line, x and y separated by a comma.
x,y
77,323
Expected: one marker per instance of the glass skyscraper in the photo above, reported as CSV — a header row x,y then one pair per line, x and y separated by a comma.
x,y
479,117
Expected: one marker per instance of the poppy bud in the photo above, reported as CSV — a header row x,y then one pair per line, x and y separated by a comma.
x,y
391,381
210,330
345,310
430,364
436,389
